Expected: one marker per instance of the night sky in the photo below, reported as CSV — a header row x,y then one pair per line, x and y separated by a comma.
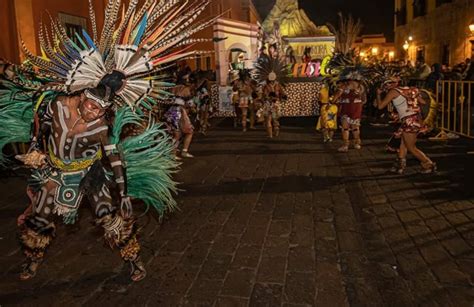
x,y
376,15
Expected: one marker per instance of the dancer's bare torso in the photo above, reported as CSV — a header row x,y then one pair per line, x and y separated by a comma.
x,y
71,137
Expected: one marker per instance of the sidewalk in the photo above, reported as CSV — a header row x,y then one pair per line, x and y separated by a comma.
x,y
282,222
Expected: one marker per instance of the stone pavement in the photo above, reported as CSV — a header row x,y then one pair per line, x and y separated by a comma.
x,y
283,222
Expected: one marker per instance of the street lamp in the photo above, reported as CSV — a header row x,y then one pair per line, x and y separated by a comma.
x,y
406,45
375,51
471,27
391,55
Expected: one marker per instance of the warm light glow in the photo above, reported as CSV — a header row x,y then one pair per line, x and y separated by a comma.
x,y
471,28
391,54
406,45
362,54
375,50
410,38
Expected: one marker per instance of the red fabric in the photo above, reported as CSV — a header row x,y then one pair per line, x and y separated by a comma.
x,y
411,124
351,110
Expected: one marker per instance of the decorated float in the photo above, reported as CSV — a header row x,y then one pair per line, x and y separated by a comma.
x,y
288,32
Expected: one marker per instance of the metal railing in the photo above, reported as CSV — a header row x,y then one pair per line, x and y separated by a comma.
x,y
455,100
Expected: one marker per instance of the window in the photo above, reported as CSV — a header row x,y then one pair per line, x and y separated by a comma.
x,y
198,62
441,2
73,25
208,63
419,8
72,30
401,16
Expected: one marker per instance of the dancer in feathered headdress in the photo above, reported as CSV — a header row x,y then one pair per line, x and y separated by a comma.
x,y
84,82
242,88
406,104
350,78
272,74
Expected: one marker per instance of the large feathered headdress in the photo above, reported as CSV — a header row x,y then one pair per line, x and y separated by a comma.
x,y
126,57
382,74
343,67
271,70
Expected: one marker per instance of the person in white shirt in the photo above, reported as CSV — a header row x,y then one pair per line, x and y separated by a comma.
x,y
405,104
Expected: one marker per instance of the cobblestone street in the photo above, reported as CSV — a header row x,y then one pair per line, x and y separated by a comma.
x,y
282,222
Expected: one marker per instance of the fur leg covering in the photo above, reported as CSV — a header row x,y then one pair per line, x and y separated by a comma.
x,y
35,242
122,233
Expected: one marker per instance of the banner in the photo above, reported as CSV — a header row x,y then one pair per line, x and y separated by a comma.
x,y
225,99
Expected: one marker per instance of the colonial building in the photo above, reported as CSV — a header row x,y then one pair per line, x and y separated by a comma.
x,y
236,29
374,46
436,30
235,34
20,20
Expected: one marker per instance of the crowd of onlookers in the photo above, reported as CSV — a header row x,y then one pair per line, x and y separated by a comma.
x,y
427,76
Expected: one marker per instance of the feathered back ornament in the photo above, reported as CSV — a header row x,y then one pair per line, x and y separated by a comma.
x,y
382,74
342,67
134,44
271,70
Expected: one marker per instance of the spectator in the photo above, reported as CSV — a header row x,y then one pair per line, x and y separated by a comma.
x,y
183,72
406,68
469,72
433,77
466,65
422,69
456,74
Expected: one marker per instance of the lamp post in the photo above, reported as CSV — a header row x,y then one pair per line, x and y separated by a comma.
x,y
405,46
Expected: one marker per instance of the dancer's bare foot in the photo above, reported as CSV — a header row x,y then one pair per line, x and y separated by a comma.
x,y
29,269
343,148
138,271
428,167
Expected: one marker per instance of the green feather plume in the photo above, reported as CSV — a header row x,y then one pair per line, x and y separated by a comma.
x,y
16,115
123,116
150,163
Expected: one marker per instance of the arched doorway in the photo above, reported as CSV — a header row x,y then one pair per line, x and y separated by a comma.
x,y
237,58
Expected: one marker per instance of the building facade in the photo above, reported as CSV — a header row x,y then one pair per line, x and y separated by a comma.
x,y
238,22
20,20
375,46
435,30
241,40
